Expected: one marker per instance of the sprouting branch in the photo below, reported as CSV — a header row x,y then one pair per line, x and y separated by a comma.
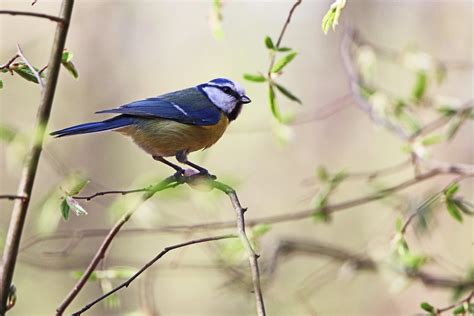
x,y
148,265
165,184
32,69
60,20
25,187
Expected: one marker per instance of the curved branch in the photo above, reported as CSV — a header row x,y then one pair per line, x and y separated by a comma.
x,y
252,256
165,184
149,264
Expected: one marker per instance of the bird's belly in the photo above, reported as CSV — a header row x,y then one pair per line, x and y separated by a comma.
x,y
164,138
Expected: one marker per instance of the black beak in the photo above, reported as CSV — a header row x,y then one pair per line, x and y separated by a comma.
x,y
245,99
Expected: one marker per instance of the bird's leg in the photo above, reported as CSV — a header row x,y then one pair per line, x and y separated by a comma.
x,y
182,156
179,170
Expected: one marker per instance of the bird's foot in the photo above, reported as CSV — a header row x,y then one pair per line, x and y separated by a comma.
x,y
193,173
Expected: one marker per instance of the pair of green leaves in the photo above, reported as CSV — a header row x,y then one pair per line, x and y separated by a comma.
x,y
329,183
26,73
456,206
459,310
276,67
70,204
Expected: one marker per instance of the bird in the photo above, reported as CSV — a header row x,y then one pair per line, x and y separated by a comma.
x,y
175,123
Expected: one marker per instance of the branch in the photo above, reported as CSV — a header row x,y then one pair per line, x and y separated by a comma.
x,y
288,20
102,193
25,187
465,300
165,184
12,197
149,264
252,256
8,63
63,21
358,262
280,37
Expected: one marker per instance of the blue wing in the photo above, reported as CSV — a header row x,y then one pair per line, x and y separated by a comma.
x,y
189,106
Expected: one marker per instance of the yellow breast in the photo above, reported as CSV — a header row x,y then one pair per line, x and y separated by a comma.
x,y
162,137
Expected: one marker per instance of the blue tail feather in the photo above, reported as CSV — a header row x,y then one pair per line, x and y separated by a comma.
x,y
113,123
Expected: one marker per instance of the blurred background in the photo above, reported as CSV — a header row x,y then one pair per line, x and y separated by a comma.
x,y
128,50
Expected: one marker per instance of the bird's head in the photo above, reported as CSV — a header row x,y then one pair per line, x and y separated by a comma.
x,y
226,94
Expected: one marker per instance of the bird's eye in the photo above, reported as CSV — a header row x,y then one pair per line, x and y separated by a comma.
x,y
226,89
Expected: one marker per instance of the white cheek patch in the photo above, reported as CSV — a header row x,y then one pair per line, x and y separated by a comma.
x,y
220,99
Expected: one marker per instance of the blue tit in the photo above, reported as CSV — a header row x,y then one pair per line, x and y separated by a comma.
x,y
176,123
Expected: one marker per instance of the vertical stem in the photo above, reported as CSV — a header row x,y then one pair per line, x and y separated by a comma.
x,y
25,186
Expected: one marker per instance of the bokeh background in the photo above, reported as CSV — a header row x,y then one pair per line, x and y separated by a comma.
x,y
127,50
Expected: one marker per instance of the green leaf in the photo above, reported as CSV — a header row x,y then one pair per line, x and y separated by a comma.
x,y
459,310
453,210
66,57
75,206
71,69
427,307
273,104
215,19
260,230
65,209
320,216
451,190
331,19
287,93
81,183
322,174
420,86
24,71
1,84
432,139
282,62
283,49
255,77
78,274
269,42
7,134
463,207
398,224
66,61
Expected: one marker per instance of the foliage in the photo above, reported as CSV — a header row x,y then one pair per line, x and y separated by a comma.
x,y
331,19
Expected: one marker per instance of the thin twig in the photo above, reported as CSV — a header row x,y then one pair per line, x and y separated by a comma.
x,y
280,37
12,197
102,193
467,299
25,186
32,69
8,63
148,265
99,255
62,21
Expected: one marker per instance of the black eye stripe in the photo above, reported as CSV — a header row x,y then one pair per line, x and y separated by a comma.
x,y
229,91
